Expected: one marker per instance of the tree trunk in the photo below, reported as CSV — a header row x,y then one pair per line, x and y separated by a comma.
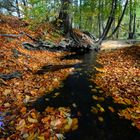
x,y
99,17
130,33
109,22
64,17
80,12
17,8
120,20
134,25
102,17
134,20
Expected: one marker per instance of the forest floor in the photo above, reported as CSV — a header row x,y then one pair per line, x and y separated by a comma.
x,y
22,81
119,78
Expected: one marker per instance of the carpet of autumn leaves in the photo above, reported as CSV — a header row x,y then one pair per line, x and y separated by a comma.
x,y
119,78
17,121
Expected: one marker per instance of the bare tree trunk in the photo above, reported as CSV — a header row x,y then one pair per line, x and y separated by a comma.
x,y
99,17
130,33
120,20
80,15
134,20
64,16
102,16
109,22
24,2
17,8
134,25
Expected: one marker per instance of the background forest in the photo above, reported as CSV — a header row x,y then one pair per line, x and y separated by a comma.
x,y
87,15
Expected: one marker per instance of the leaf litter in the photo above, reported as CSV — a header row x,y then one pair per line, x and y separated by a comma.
x,y
17,121
119,78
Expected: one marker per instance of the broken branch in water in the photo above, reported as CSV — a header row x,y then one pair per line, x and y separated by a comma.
x,y
10,76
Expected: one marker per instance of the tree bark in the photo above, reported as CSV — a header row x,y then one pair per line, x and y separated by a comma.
x,y
80,12
130,21
109,22
99,17
64,16
120,20
17,8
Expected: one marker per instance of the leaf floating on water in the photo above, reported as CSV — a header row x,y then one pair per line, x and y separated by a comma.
x,y
56,94
95,97
101,119
60,136
90,86
101,99
47,99
74,124
100,91
98,105
94,90
100,69
94,110
133,124
127,101
74,105
97,87
67,127
111,109
101,109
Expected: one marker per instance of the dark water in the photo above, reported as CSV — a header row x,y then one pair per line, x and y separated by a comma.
x,y
76,94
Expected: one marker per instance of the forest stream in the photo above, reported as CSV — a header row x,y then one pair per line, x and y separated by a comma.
x,y
77,93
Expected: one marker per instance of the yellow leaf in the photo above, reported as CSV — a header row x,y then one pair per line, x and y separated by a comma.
x,y
41,138
31,120
21,124
101,119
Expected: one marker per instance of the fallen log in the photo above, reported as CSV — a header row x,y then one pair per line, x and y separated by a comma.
x,y
11,35
16,74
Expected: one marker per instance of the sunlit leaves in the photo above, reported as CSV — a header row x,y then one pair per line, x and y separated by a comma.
x,y
21,122
119,79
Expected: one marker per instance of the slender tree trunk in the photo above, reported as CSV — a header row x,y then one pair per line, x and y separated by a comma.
x,y
134,25
102,17
109,22
130,33
134,20
118,31
120,20
80,12
17,8
99,17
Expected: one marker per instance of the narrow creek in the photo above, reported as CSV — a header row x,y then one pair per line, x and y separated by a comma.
x,y
76,93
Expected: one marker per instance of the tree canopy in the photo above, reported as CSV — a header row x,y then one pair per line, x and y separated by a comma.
x,y
87,15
